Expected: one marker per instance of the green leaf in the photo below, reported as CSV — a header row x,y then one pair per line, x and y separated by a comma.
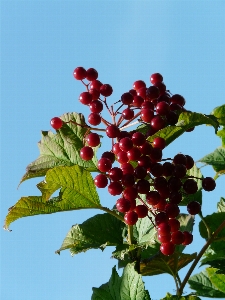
x,y
204,287
95,233
214,259
221,205
144,231
216,159
221,134
77,191
195,171
174,297
213,221
219,113
217,279
61,148
160,264
186,121
128,287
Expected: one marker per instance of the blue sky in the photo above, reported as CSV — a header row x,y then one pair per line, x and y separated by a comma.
x,y
41,44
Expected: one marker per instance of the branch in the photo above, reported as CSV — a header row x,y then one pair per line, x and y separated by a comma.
x,y
210,240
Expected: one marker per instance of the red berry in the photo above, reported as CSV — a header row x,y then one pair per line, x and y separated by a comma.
x,y
142,92
180,159
174,225
116,148
91,74
161,86
104,164
177,237
127,98
115,188
143,186
131,218
190,186
96,106
79,73
127,168
112,131
188,238
101,181
95,94
147,115
130,193
158,123
152,93
190,162
95,84
138,138
140,172
208,184
126,144
159,142
178,99
156,77
128,180
109,155
163,229
106,90
94,119
86,153
164,238
161,217
128,114
141,210
162,108
156,155
93,139
56,123
139,84
123,205
134,154
167,248
122,157
137,101
194,207
172,210
115,174
85,98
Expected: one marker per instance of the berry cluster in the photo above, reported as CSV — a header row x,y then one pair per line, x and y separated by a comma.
x,y
141,172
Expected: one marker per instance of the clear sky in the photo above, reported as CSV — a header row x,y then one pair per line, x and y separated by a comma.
x,y
41,44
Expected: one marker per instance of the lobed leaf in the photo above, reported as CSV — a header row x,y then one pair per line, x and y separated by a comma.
x,y
221,134
95,233
216,159
77,191
218,280
221,205
219,113
213,221
61,148
215,259
128,287
203,286
174,297
160,264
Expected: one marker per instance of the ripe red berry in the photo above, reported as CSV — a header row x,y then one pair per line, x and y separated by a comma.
x,y
106,90
147,115
131,218
137,101
112,131
158,122
152,93
128,114
122,157
177,237
91,74
167,248
86,153
139,84
123,205
115,188
101,181
85,98
109,155
208,184
134,154
172,210
188,238
190,186
94,119
138,138
180,159
95,84
161,217
104,164
194,207
163,229
127,168
79,73
142,92
115,174
143,186
162,108
95,94
178,99
96,106
127,98
159,142
156,77
93,139
164,238
130,193
141,210
126,144
56,123
190,162
174,225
